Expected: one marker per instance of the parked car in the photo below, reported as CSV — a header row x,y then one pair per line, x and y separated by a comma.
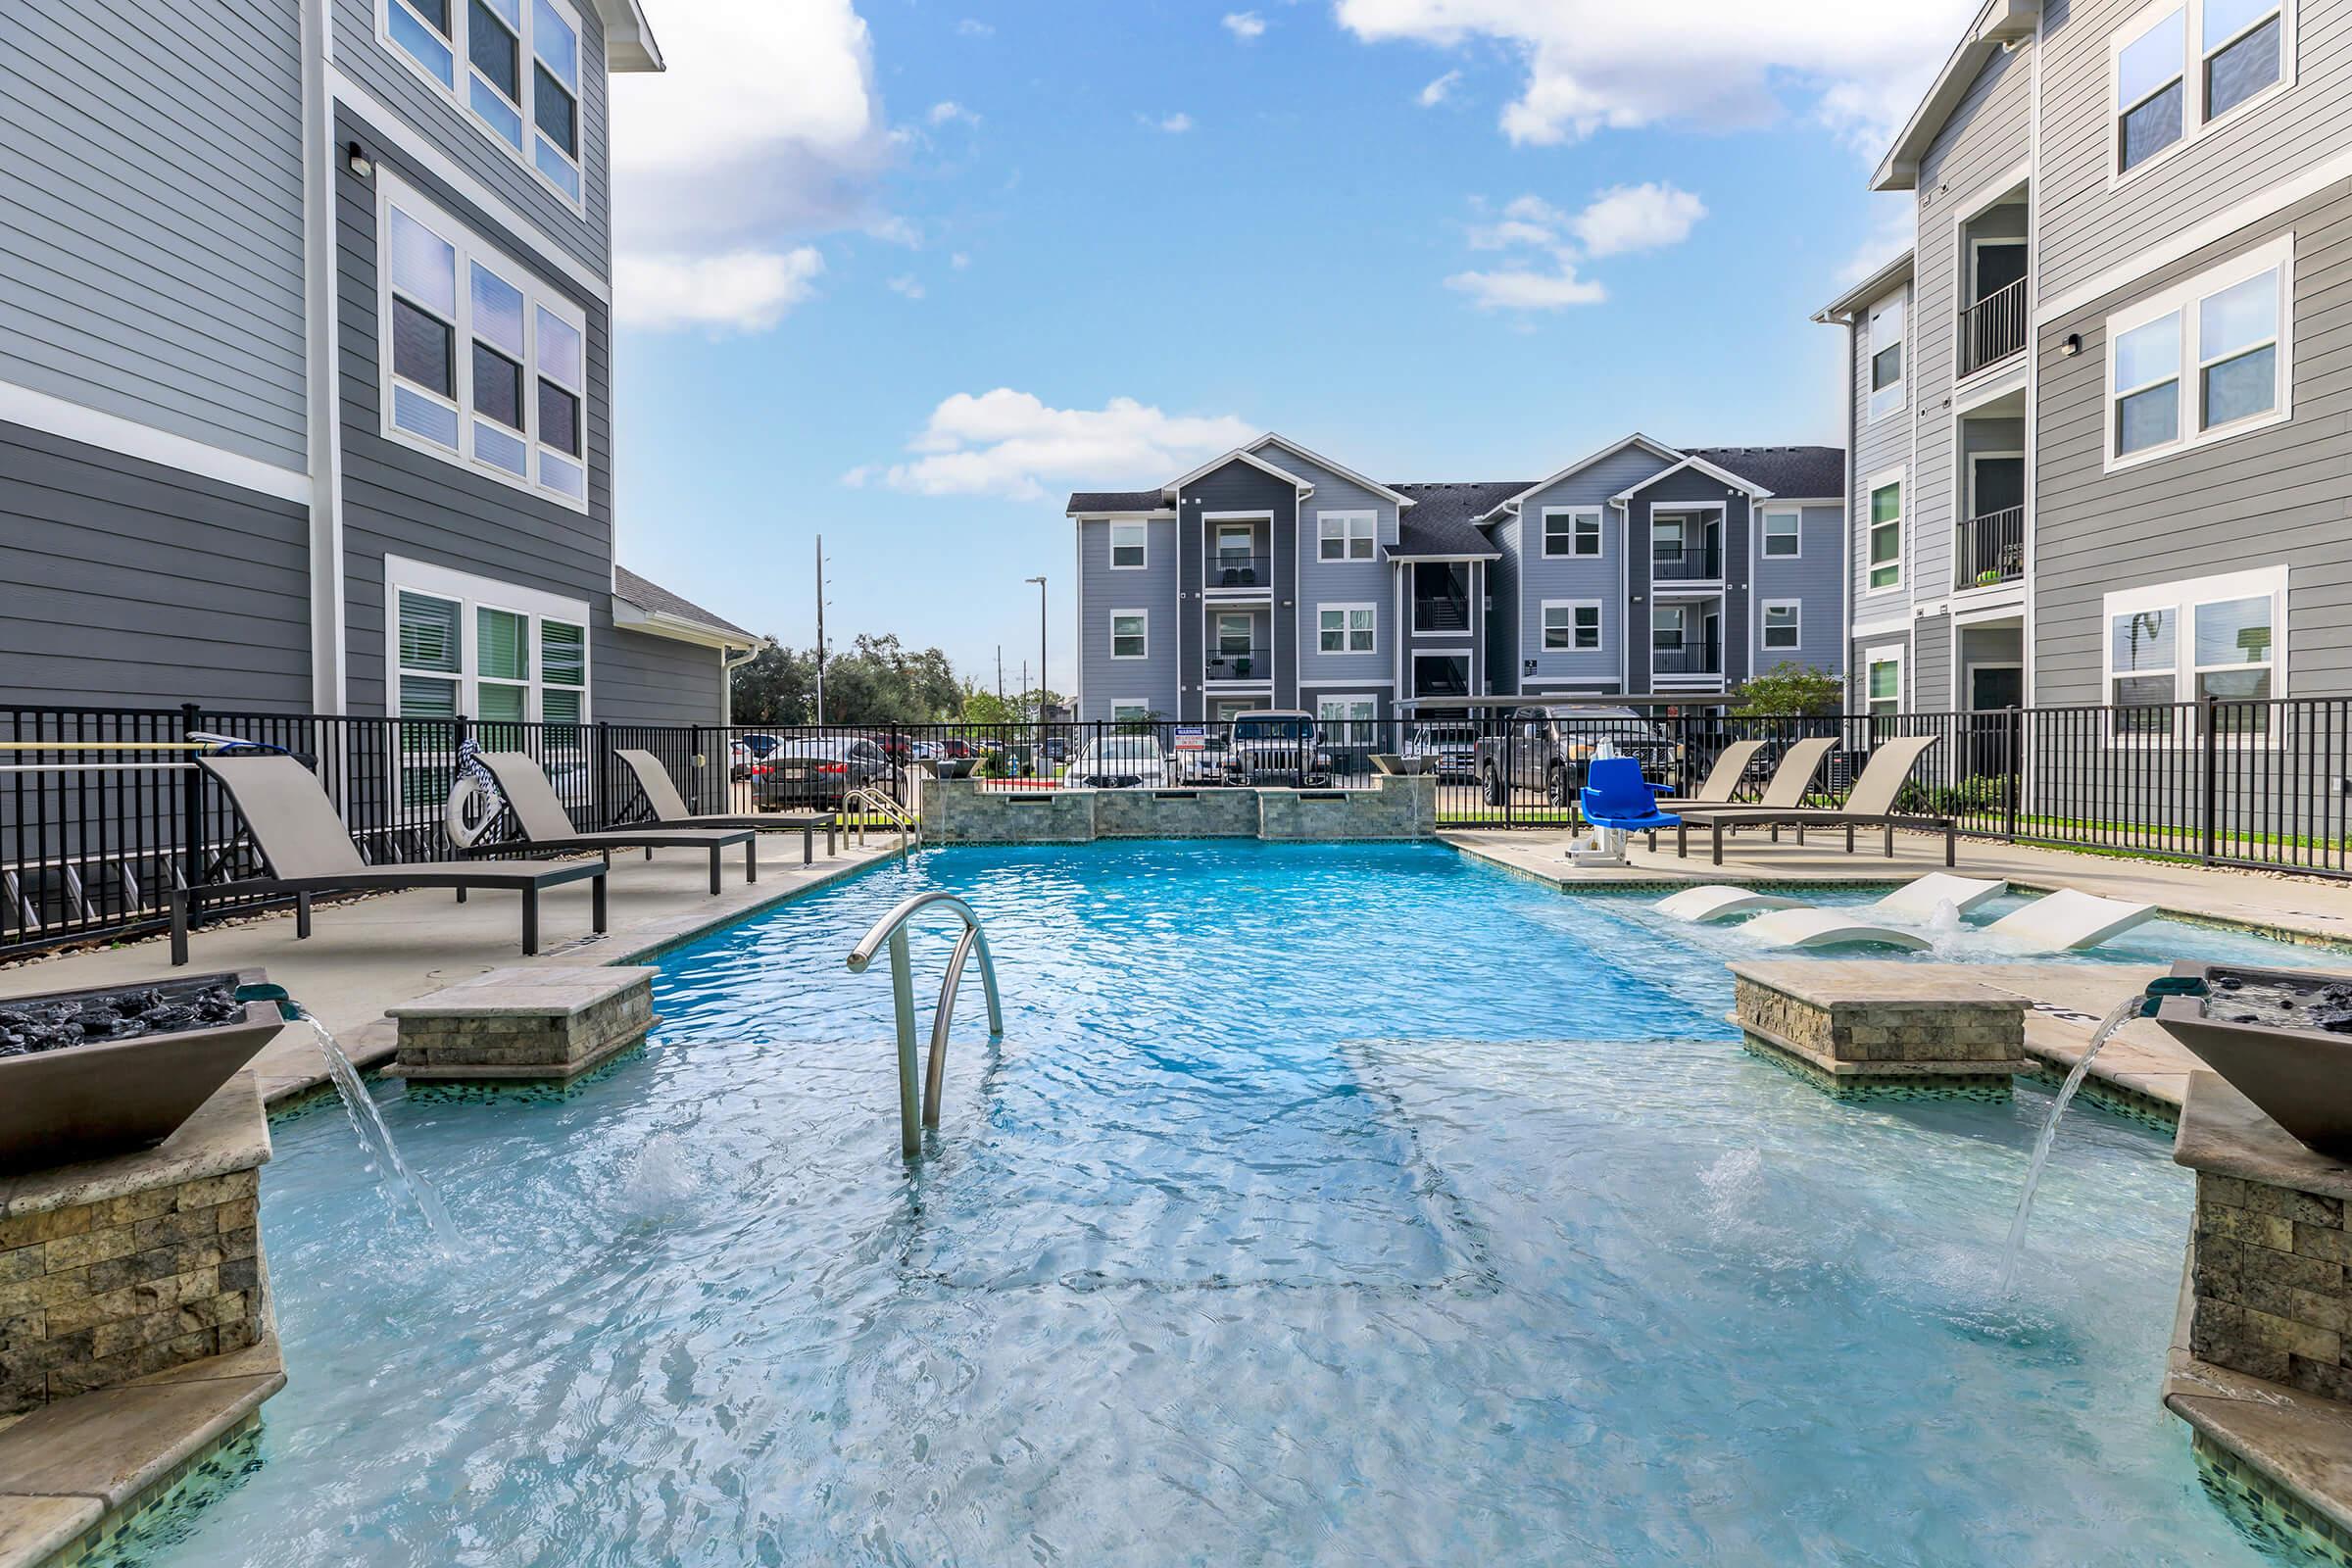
x,y
1451,749
1278,746
1119,762
818,773
1548,748
957,749
745,752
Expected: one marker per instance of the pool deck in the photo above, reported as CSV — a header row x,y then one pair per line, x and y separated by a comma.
x,y
375,952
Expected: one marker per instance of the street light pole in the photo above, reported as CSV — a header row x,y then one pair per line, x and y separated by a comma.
x,y
1041,646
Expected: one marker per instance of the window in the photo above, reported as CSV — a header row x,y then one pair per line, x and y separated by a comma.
x,y
1887,358
496,39
1128,639
1571,531
1886,535
1344,628
1351,711
2150,89
1666,539
2182,65
1782,626
2242,51
1883,686
1572,626
1784,533
1666,626
2209,638
490,650
1345,535
2203,360
1234,636
1131,712
1130,546
483,363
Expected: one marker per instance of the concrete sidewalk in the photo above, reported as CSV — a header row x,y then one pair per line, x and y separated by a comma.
x,y
375,953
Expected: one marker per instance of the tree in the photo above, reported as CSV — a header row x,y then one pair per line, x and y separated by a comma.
x,y
984,706
1788,689
878,681
779,687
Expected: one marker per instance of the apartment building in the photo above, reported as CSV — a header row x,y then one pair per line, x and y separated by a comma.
x,y
2096,410
1271,576
306,364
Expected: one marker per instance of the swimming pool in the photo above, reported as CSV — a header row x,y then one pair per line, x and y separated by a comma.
x,y
1332,1204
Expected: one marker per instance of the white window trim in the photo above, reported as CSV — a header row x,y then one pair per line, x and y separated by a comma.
x,y
1368,699
1216,631
1144,615
537,295
1764,515
461,99
1902,518
1144,536
1885,654
472,593
1794,607
1892,399
1576,517
1142,714
1348,628
1349,521
2277,252
1600,626
2193,122
2183,598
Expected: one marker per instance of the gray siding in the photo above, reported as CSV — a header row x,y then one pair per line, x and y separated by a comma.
x,y
1503,611
1987,137
1580,577
1101,591
151,216
362,53
2086,228
125,583
401,501
1337,582
2276,496
1812,579
1690,485
655,680
1239,486
1931,672
1880,446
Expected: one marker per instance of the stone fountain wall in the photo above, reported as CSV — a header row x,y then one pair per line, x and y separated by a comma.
x,y
2270,1279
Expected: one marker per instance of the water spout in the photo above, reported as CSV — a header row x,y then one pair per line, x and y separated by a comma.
x,y
2125,1011
368,1122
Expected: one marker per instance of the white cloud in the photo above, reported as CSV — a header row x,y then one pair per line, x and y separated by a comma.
x,y
744,290
1719,64
974,27
1244,24
1892,231
856,479
950,111
1435,93
1175,124
908,285
960,261
1013,444
1527,288
1636,218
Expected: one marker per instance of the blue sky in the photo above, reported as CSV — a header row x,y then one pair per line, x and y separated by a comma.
x,y
906,273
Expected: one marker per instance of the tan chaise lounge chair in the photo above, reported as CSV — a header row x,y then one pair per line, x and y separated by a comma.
x,y
670,810
307,851
1869,804
1786,789
546,825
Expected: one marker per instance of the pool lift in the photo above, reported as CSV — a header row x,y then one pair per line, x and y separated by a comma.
x,y
892,928
1616,803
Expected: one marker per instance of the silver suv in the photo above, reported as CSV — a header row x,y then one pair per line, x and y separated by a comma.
x,y
1279,746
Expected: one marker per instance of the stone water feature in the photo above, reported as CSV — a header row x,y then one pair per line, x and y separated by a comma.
x,y
1859,1028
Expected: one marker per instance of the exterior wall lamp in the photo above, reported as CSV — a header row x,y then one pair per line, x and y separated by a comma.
x,y
356,159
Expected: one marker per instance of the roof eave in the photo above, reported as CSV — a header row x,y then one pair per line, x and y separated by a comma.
x,y
1635,439
627,616
2000,24
1345,472
1868,292
1754,490
629,43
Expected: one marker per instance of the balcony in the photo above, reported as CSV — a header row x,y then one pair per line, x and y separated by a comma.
x,y
1687,563
1994,328
1697,657
1989,550
1230,664
1228,570
1444,614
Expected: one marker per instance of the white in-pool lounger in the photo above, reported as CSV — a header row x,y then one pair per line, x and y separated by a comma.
x,y
2068,922
1915,900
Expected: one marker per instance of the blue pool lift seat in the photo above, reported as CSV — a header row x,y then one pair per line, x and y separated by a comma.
x,y
1616,795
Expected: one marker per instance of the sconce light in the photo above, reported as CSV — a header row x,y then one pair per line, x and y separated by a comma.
x,y
356,159
2072,346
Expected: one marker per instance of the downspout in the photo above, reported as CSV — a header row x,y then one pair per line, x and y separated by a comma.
x,y
321,173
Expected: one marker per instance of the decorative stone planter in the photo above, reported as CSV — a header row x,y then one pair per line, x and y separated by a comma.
x,y
2262,1030
103,1097
539,1026
1862,1028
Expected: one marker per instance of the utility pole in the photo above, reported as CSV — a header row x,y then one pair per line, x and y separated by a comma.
x,y
820,628
1041,646
1024,690
999,676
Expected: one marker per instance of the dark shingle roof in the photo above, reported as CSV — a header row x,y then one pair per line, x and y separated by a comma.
x,y
1116,501
1801,474
658,600
1439,521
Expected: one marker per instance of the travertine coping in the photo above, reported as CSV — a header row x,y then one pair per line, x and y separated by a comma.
x,y
541,1024
1862,1024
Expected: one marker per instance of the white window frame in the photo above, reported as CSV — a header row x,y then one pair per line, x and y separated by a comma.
x,y
1348,630
2184,299
1796,533
1143,636
2195,59
1141,541
1125,712
1902,543
1872,658
2183,599
472,594
1890,399
1217,632
1577,533
1796,608
1335,699
1354,528
537,295
1544,626
457,90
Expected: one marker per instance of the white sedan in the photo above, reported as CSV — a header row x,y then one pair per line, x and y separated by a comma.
x,y
1119,762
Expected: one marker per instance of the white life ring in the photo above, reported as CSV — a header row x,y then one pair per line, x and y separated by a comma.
x,y
471,811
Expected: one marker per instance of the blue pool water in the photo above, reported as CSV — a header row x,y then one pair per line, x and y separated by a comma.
x,y
1323,1205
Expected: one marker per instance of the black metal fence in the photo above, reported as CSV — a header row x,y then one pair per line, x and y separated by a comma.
x,y
103,812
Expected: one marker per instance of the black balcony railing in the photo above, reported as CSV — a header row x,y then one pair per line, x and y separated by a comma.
x,y
1240,571
1442,615
1990,549
1698,656
1994,328
1689,564
1241,664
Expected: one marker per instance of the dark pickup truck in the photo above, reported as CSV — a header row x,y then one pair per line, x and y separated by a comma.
x,y
1547,749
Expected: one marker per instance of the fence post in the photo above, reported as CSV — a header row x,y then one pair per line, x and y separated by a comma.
x,y
694,769
191,813
602,752
2015,770
2208,749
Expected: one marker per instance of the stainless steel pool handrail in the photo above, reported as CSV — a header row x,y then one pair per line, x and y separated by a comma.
x,y
892,928
866,800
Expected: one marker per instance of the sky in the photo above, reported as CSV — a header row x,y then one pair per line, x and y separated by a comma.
x,y
905,272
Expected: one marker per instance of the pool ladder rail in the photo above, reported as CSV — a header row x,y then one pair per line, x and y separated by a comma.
x,y
867,800
891,929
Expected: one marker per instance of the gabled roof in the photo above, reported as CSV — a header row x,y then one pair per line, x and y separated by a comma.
x,y
1322,462
629,44
1101,500
1637,438
1237,455
1998,25
1699,464
1794,474
1444,520
663,614
1872,289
